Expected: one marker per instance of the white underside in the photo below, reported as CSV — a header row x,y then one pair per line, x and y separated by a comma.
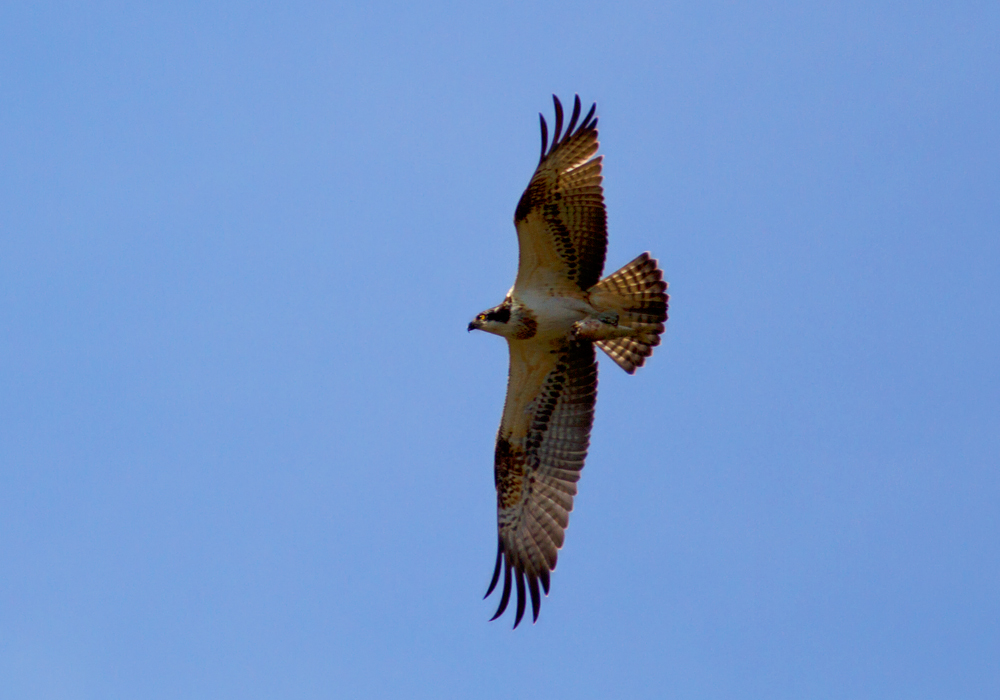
x,y
555,315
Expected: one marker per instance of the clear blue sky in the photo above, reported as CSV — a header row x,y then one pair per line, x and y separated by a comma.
x,y
246,441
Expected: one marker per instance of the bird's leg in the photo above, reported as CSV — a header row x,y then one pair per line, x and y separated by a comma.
x,y
603,326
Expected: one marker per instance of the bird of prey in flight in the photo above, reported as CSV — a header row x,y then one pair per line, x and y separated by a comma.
x,y
557,311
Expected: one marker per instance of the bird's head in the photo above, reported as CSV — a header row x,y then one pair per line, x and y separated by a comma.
x,y
510,320
495,320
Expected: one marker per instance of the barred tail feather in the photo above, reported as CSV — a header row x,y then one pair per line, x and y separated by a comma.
x,y
637,293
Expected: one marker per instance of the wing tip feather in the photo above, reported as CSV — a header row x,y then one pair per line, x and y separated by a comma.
x,y
505,596
559,137
521,597
496,570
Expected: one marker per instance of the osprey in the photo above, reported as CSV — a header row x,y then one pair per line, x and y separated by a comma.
x,y
557,311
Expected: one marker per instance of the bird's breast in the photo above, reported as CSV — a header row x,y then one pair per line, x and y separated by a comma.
x,y
554,314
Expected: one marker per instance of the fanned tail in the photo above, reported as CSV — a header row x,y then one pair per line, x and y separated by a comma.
x,y
637,293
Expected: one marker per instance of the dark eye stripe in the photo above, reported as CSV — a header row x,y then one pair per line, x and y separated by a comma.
x,y
501,315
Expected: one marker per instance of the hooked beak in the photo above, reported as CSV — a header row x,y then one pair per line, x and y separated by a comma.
x,y
473,325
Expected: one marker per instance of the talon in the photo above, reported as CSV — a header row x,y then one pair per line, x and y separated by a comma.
x,y
589,328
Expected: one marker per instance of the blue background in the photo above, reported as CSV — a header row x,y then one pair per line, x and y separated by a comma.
x,y
246,442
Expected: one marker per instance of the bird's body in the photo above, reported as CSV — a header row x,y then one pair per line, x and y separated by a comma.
x,y
557,310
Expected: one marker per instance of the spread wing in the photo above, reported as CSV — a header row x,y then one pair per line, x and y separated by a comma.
x,y
560,219
540,450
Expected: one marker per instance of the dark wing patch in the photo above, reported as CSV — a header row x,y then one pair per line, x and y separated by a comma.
x,y
564,202
508,474
536,476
